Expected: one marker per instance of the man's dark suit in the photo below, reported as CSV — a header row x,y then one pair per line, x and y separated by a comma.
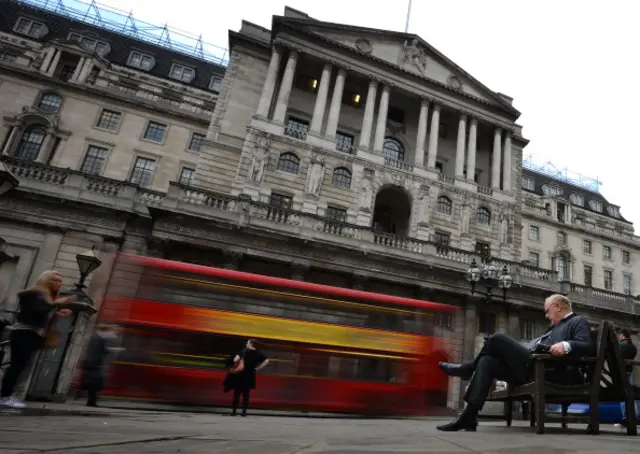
x,y
502,358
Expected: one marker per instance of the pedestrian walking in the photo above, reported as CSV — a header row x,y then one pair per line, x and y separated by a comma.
x,y
94,364
242,375
33,330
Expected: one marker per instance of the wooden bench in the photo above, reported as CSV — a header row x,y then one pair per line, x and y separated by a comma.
x,y
541,392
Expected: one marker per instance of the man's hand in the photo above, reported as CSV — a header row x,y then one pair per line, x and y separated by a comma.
x,y
557,349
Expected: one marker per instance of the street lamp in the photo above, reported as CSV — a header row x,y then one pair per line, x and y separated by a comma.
x,y
491,277
87,263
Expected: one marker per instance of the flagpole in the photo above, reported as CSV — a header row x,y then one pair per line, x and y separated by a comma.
x,y
406,27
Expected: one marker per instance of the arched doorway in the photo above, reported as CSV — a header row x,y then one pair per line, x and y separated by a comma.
x,y
392,211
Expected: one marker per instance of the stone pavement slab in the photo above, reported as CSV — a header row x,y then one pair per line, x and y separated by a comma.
x,y
145,432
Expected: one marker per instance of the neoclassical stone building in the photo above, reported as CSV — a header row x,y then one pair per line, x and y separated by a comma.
x,y
331,153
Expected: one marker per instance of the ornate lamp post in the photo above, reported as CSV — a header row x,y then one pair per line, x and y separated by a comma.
x,y
491,277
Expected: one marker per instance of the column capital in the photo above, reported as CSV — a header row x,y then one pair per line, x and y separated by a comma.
x,y
424,101
373,78
386,86
436,107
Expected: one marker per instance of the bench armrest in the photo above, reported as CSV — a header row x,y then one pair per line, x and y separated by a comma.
x,y
565,359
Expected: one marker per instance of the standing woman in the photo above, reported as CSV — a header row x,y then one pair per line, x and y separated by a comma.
x,y
37,307
244,381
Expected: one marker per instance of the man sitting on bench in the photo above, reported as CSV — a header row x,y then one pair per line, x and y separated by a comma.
x,y
503,358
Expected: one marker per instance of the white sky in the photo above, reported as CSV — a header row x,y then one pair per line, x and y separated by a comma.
x,y
570,65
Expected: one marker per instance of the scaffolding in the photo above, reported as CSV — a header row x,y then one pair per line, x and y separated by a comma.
x,y
124,23
564,175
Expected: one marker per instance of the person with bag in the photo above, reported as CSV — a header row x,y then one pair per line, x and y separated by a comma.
x,y
37,308
242,375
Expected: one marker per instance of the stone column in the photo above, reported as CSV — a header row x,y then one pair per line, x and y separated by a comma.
x,y
422,132
462,137
381,124
321,100
506,167
78,70
367,120
471,153
336,103
285,88
85,71
54,63
47,147
47,59
13,136
495,170
269,84
434,133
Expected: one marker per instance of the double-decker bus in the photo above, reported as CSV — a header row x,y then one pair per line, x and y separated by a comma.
x,y
330,349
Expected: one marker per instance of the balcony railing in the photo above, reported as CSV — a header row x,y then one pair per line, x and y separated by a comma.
x,y
77,186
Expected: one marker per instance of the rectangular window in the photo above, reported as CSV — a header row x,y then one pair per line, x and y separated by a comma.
x,y
182,73
215,83
527,329
94,160
529,184
534,259
155,132
439,167
606,252
344,142
141,61
608,279
196,142
534,233
486,322
296,124
626,257
29,27
99,47
483,249
588,275
586,247
186,175
336,214
109,120
143,171
280,201
626,284
441,238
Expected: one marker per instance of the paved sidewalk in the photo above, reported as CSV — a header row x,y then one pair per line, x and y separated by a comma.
x,y
125,431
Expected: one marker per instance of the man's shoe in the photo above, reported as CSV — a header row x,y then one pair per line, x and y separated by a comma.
x,y
470,425
464,371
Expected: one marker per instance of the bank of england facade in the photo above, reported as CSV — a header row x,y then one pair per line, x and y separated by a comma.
x,y
315,151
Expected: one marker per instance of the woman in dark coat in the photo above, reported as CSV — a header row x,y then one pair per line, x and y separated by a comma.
x,y
243,382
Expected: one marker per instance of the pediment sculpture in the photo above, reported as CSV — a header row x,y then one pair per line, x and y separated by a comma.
x,y
415,55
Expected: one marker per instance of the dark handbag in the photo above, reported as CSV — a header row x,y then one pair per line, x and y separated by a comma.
x,y
238,367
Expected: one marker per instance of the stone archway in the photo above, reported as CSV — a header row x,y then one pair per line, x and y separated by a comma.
x,y
392,211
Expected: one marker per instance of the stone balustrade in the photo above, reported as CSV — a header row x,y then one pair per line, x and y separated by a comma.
x,y
73,185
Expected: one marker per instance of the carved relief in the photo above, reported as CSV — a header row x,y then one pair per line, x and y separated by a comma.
x,y
364,46
315,175
366,190
503,218
259,159
415,56
422,205
465,216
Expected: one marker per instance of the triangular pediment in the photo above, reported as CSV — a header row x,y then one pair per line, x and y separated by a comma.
x,y
406,51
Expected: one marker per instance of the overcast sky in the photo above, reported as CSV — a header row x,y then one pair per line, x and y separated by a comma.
x,y
571,66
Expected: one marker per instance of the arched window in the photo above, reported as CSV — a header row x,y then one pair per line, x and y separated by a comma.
x,y
341,177
31,142
393,149
484,216
444,205
50,102
289,163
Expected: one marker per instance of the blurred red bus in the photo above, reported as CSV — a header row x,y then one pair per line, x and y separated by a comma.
x,y
330,349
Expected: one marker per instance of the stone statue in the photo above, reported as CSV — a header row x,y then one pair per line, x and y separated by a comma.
x,y
423,205
315,175
259,159
465,217
366,192
415,55
504,228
